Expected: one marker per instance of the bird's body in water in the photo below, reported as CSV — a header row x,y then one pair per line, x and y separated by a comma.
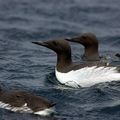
x,y
91,46
76,75
25,102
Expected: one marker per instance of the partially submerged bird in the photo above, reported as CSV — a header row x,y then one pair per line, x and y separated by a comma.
x,y
24,102
75,75
91,46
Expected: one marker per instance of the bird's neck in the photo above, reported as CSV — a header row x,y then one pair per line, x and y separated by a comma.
x,y
91,53
63,61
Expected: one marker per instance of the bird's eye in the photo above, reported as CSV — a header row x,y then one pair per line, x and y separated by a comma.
x,y
84,37
18,96
55,43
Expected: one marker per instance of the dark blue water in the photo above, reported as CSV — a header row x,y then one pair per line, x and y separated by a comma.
x,y
26,66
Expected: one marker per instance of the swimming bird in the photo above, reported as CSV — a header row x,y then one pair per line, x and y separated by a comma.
x,y
25,102
78,75
91,46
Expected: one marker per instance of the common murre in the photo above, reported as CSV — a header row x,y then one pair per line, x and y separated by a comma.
x,y
76,75
91,46
25,102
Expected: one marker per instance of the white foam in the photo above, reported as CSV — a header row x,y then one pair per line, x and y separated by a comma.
x,y
88,76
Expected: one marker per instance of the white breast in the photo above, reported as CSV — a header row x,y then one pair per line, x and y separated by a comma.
x,y
25,109
45,112
88,76
22,109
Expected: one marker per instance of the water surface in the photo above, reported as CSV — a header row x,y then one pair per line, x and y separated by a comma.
x,y
26,66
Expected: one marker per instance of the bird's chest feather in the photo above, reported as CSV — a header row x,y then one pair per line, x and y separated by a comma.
x,y
88,76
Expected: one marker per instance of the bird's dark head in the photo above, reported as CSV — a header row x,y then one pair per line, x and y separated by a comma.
x,y
59,46
86,39
90,43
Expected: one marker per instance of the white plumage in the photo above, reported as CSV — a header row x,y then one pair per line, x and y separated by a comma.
x,y
88,76
45,112
22,109
25,109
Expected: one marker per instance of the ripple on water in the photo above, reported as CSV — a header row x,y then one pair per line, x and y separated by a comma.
x,y
29,67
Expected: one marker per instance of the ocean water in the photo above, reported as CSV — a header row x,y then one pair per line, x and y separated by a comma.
x,y
29,67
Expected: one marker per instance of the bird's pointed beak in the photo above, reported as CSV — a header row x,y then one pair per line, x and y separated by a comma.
x,y
74,39
69,39
53,104
41,43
